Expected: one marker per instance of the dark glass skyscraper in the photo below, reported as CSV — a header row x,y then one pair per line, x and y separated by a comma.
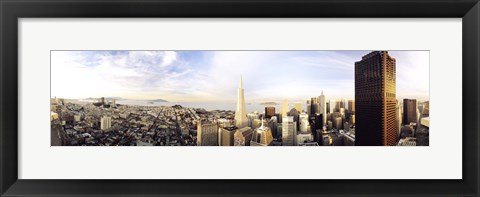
x,y
375,100
409,111
269,111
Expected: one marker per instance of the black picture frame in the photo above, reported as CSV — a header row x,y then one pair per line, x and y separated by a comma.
x,y
11,11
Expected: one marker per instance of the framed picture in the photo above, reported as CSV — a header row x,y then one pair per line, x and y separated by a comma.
x,y
192,98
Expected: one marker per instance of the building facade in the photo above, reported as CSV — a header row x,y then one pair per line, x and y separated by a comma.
x,y
304,124
409,111
243,136
105,122
375,100
227,136
207,134
322,106
288,131
269,111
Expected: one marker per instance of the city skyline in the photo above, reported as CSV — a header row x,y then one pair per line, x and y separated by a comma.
x,y
372,118
212,76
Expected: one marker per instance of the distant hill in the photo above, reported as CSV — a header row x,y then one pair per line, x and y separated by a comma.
x,y
106,98
268,103
158,100
123,99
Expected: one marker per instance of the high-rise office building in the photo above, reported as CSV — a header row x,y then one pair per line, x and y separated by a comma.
x,y
342,103
314,105
375,100
328,108
316,123
409,111
240,112
262,136
333,106
269,111
243,136
399,117
342,112
351,106
288,131
207,134
322,107
304,124
227,136
309,107
295,114
105,122
337,123
284,108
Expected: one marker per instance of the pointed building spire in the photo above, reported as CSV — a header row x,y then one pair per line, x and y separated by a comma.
x,y
322,92
240,112
240,84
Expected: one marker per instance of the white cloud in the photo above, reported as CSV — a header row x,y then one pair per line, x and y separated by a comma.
x,y
107,74
214,75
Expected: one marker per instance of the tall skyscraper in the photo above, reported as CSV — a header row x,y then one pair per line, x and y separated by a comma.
x,y
409,111
375,100
304,124
351,106
240,112
333,106
284,108
288,131
323,107
343,103
269,111
314,105
309,107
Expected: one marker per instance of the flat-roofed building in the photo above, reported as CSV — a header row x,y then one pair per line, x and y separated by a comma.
x,y
105,122
227,135
207,134
375,100
269,111
288,131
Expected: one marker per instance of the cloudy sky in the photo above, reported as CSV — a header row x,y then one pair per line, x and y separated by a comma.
x,y
214,75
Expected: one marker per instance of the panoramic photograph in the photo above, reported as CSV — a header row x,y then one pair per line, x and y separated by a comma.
x,y
239,98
